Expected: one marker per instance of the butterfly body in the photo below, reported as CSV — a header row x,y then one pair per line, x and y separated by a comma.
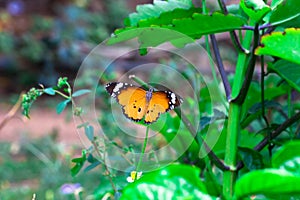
x,y
138,103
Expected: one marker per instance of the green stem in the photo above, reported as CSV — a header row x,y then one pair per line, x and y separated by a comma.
x,y
143,151
62,94
233,128
289,104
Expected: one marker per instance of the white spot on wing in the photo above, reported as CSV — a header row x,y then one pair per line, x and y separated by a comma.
x,y
173,98
117,87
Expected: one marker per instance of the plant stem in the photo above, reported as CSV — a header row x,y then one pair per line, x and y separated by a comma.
x,y
262,88
62,94
12,111
250,70
233,128
233,35
277,131
108,174
221,66
211,62
213,157
143,151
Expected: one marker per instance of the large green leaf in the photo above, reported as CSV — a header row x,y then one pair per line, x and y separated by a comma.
x,y
267,182
286,153
255,9
285,45
149,11
202,24
167,18
180,32
284,11
172,182
288,71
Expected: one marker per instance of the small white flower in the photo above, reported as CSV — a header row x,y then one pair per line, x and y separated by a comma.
x,y
134,175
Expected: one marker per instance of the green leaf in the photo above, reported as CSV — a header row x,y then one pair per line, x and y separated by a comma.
x,y
92,166
167,18
149,11
284,11
255,9
285,45
89,132
181,31
205,121
49,91
267,182
287,152
61,106
202,24
172,182
149,37
289,71
252,159
79,162
80,92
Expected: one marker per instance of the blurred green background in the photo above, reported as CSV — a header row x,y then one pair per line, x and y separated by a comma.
x,y
40,41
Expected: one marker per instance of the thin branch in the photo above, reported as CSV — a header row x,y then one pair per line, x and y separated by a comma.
x,y
12,112
221,66
200,140
233,35
277,131
250,70
262,85
273,135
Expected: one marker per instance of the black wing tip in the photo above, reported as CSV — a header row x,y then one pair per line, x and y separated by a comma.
x,y
110,87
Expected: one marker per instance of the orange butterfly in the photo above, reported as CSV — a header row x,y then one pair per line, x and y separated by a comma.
x,y
138,103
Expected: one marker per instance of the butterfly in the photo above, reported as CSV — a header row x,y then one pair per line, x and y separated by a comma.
x,y
138,103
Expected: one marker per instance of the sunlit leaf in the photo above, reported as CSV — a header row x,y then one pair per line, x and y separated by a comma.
x,y
267,182
287,152
172,182
202,24
148,11
285,45
255,9
180,32
166,18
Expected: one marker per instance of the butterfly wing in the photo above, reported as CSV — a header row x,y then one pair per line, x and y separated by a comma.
x,y
130,97
161,102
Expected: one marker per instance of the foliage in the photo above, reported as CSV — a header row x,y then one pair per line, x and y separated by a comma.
x,y
257,151
40,167
46,45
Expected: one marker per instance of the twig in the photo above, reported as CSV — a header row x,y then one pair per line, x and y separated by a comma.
x,y
200,140
273,135
277,131
233,35
221,67
12,111
250,70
